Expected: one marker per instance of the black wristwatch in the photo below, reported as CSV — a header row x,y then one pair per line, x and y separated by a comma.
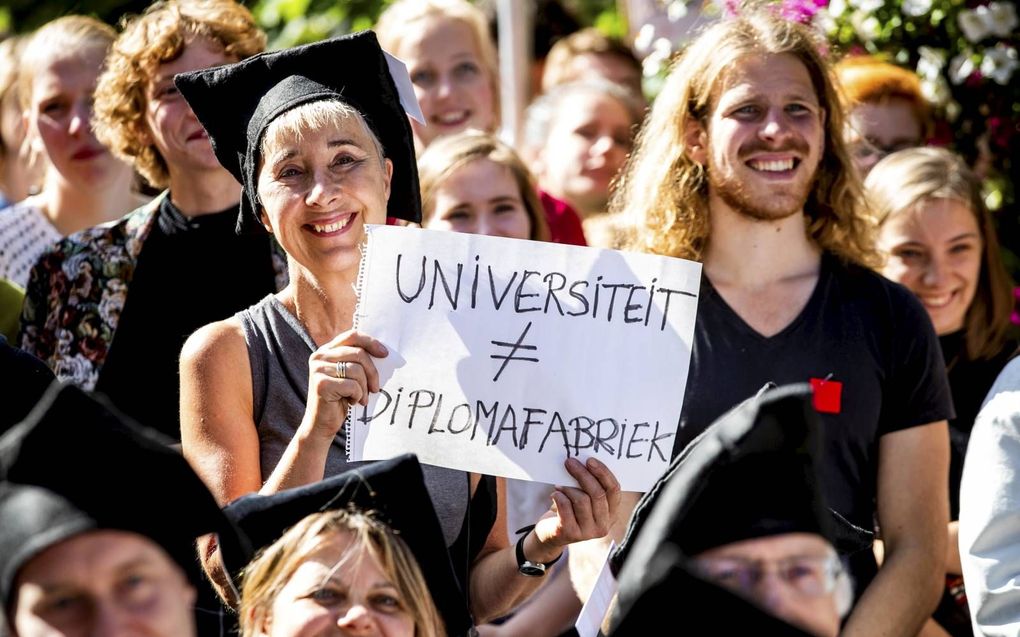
x,y
526,566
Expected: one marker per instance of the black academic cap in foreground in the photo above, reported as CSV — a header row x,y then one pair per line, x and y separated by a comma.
x,y
237,102
751,474
75,464
394,489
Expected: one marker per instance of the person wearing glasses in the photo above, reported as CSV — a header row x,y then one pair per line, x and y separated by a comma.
x,y
739,529
886,110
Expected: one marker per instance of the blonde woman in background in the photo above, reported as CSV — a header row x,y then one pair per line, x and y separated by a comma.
x,y
341,570
939,240
20,167
84,184
452,62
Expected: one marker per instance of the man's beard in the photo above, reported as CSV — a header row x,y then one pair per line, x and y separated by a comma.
x,y
733,193
731,190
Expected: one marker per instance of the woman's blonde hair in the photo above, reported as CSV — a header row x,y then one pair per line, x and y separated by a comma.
x,y
67,37
664,192
398,20
270,571
156,37
907,179
447,155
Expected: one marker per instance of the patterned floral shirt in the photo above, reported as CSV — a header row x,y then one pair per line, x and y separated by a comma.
x,y
77,290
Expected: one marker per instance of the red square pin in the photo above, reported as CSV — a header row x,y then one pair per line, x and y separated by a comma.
x,y
828,395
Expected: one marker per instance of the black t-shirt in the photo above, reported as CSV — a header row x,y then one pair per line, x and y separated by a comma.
x,y
190,272
869,335
969,381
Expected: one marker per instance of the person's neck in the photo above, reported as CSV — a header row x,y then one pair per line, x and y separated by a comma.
x,y
324,304
749,253
203,192
71,209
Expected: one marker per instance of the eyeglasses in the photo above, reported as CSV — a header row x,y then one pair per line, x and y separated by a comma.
x,y
865,149
808,575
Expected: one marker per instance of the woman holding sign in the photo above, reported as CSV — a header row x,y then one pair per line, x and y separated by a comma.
x,y
264,394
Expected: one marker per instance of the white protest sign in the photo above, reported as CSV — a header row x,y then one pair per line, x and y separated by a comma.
x,y
506,357
593,613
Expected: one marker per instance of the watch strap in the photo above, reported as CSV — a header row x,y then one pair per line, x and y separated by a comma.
x,y
522,561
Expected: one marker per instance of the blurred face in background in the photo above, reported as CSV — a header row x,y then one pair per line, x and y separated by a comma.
x,y
881,128
790,575
60,113
103,584
172,126
453,86
589,138
935,250
481,197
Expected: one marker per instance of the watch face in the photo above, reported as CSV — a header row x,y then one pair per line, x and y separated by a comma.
x,y
531,569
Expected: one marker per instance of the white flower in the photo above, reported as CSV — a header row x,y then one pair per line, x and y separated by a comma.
x,y
972,23
867,6
824,22
916,8
931,62
676,10
866,26
836,8
64,338
77,370
999,63
110,306
961,67
1002,18
644,39
936,90
998,19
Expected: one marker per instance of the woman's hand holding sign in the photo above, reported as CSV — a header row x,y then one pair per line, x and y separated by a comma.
x,y
578,513
340,373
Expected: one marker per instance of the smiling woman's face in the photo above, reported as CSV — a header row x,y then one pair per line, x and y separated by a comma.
x,y
450,79
342,590
935,250
319,187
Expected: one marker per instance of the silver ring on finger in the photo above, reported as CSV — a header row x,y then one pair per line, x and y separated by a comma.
x,y
341,370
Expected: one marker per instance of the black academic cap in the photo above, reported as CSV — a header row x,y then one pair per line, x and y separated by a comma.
x,y
237,102
751,474
394,489
75,464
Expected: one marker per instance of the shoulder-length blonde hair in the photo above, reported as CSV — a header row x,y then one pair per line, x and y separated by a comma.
x,y
270,571
66,37
908,178
400,18
447,155
663,192
156,37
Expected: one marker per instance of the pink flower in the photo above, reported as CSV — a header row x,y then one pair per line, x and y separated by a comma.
x,y
801,10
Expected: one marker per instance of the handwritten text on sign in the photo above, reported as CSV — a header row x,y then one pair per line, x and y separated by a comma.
x,y
508,356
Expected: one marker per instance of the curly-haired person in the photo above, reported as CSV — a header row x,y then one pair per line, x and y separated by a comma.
x,y
110,308
742,165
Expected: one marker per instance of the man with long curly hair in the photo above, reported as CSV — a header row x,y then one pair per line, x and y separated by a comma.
x,y
742,165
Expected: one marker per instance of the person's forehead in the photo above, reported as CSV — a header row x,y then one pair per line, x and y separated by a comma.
x,y
438,36
281,136
608,65
781,73
890,120
590,105
92,554
774,547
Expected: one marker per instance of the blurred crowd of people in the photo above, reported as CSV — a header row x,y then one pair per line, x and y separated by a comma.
x,y
180,229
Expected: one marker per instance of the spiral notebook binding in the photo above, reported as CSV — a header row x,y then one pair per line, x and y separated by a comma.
x,y
348,427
